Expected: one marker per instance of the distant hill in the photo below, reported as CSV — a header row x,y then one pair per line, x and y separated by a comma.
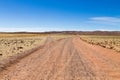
x,y
69,32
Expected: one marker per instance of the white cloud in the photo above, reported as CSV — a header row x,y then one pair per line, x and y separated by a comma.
x,y
30,29
106,19
13,29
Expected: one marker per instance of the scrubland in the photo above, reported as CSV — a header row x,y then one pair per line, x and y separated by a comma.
x,y
110,42
13,44
66,59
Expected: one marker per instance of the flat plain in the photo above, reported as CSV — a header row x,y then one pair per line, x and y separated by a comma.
x,y
110,42
13,44
64,57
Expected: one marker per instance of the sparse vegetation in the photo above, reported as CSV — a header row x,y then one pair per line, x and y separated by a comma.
x,y
16,46
13,46
110,42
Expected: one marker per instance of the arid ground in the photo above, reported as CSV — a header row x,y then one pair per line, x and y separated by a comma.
x,y
66,59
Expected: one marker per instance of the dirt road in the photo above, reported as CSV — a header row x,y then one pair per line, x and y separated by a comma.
x,y
66,59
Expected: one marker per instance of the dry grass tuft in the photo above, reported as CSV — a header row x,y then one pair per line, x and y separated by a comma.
x,y
110,42
13,47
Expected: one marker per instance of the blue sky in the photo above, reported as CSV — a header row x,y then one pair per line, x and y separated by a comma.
x,y
58,15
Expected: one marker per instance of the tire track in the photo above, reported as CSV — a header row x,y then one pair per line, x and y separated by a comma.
x,y
66,59
103,65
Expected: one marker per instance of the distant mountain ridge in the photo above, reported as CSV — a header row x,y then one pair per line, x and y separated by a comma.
x,y
69,32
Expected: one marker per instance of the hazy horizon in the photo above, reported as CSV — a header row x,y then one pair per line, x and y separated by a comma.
x,y
59,15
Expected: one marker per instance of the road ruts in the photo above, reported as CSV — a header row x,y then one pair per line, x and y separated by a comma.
x,y
66,59
105,63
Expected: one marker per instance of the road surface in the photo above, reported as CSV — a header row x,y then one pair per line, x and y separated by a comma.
x,y
66,59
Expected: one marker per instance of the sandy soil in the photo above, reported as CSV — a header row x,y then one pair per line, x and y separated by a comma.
x,y
66,59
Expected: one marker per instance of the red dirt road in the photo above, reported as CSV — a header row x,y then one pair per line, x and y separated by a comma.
x,y
66,59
